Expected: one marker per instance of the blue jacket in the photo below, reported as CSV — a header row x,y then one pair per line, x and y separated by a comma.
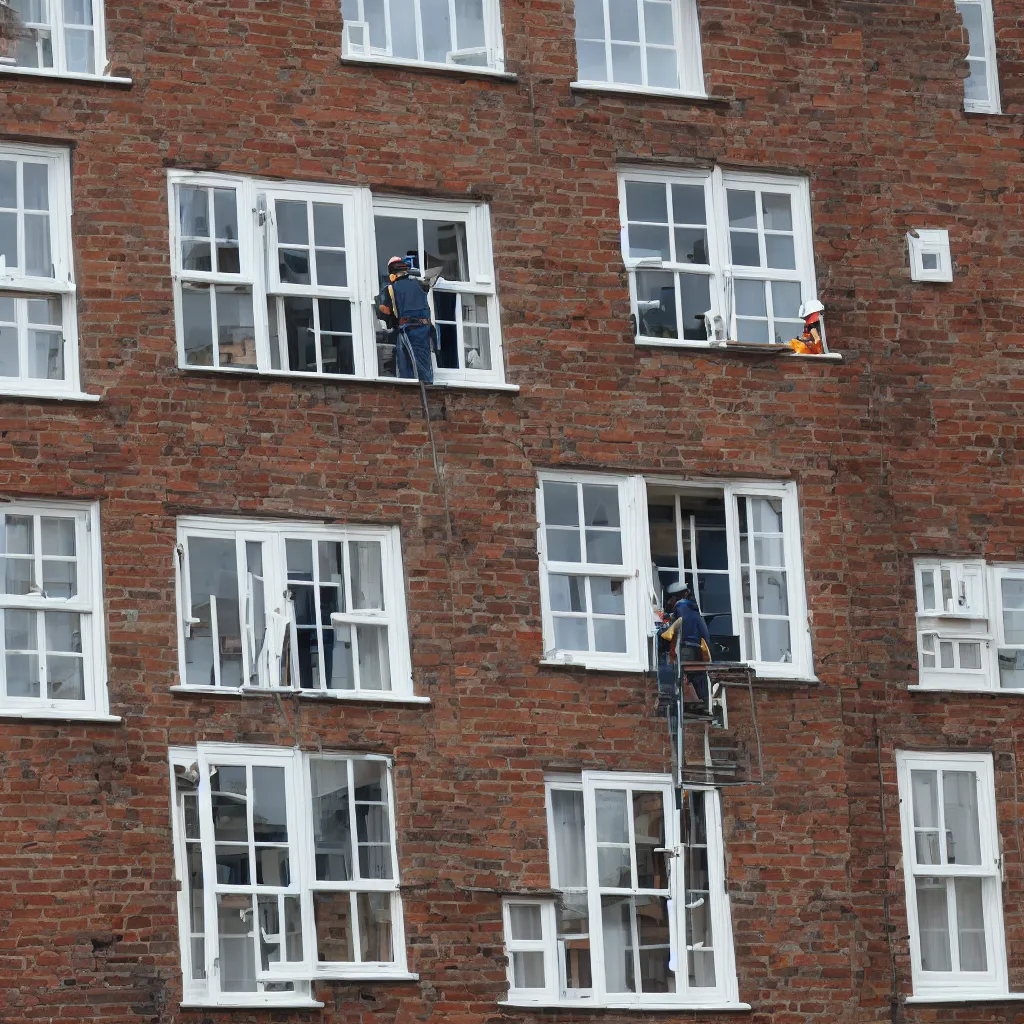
x,y
693,628
411,299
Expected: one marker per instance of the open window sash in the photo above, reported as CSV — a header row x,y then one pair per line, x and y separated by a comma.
x,y
632,512
315,249
262,928
770,615
596,786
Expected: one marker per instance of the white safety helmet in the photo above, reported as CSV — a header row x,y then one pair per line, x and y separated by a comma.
x,y
811,307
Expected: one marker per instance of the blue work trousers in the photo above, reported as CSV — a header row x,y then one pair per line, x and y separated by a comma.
x,y
421,337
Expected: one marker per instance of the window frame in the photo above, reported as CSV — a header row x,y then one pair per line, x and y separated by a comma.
x,y
720,269
724,993
492,50
274,534
481,273
296,763
686,44
61,286
993,104
639,596
89,604
57,36
962,984
258,238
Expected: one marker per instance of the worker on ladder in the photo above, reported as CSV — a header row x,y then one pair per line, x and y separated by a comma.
x,y
690,633
403,307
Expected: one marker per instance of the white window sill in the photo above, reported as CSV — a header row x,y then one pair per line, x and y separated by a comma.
x,y
982,109
988,690
243,1004
642,90
322,378
59,715
8,391
962,997
365,976
462,70
72,76
266,691
580,1004
778,351
590,666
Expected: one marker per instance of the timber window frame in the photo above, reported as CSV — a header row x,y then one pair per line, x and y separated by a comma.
x,y
313,609
629,589
52,624
666,888
970,625
736,245
275,860
643,46
938,789
50,43
260,288
981,87
38,318
374,31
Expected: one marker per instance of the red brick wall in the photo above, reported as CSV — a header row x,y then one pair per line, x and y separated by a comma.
x,y
910,445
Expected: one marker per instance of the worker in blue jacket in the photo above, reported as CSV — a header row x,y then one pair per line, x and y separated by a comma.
x,y
688,629
402,305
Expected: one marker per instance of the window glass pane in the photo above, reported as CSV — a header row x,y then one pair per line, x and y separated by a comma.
x,y
786,299
925,793
776,645
624,19
374,658
750,299
742,208
612,816
656,302
563,545
928,589
45,344
626,67
573,922
229,801
610,636
292,222
476,332
236,335
568,839
933,924
1011,668
970,656
970,915
658,22
649,837
403,30
976,85
607,596
695,290
36,184
328,225
525,923
396,236
777,212
38,261
237,949
589,19
469,24
780,253
662,68
561,504
571,634
745,251
444,247
691,247
592,61
78,47
332,825
960,807
213,579
367,575
197,324
567,593
331,270
374,909
1012,592
974,24
332,918
528,969
269,813
604,547
21,646
600,505
653,939
616,928
9,239
8,185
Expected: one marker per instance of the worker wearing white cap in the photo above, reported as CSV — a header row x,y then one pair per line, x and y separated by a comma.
x,y
402,305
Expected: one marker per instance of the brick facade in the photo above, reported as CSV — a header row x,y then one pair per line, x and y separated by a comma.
x,y
908,446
